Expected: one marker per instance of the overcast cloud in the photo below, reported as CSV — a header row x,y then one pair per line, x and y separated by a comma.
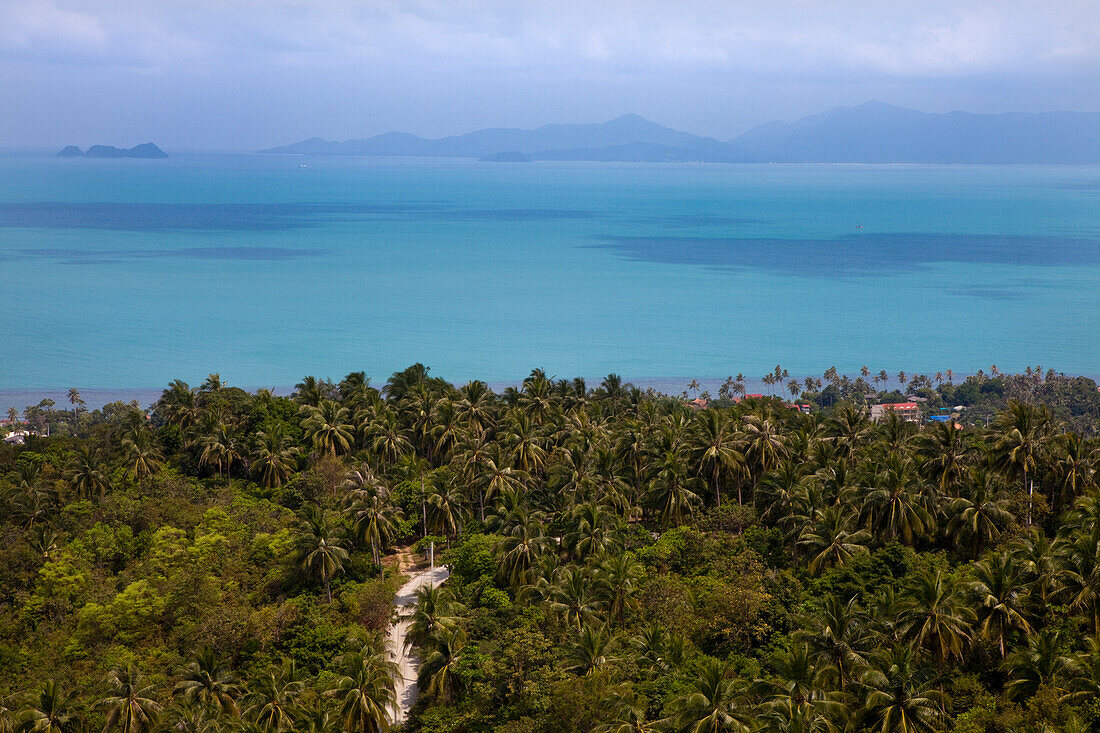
x,y
200,74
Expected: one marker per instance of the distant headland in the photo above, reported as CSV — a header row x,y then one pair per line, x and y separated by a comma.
x,y
146,150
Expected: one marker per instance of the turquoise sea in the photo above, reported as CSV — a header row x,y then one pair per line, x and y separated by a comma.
x,y
128,273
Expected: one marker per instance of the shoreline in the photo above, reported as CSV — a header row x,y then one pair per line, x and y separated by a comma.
x,y
96,398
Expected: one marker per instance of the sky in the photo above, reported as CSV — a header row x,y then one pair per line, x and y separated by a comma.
x,y
248,74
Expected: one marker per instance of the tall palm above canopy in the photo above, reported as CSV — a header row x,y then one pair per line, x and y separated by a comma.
x,y
76,401
850,429
1024,434
311,391
671,491
979,515
376,519
763,446
892,504
322,549
364,691
1074,468
274,456
837,634
143,455
327,427
180,405
494,476
937,619
221,449
998,587
714,447
446,505
834,540
387,439
131,707
945,452
475,406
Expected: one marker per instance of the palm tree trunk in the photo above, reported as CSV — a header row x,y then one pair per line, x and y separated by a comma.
x,y
328,590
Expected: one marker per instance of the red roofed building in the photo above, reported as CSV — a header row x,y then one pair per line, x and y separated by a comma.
x,y
907,411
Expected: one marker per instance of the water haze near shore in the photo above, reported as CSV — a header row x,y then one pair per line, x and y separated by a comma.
x,y
125,274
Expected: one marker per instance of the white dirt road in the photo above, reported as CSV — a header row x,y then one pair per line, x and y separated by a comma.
x,y
405,658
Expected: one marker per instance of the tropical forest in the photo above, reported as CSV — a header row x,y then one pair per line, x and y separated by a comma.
x,y
616,560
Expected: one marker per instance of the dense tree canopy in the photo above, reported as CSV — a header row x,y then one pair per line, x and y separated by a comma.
x,y
621,560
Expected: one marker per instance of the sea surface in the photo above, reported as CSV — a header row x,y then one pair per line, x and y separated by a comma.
x,y
121,275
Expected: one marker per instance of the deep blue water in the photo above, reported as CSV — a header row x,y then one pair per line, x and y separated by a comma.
x,y
128,273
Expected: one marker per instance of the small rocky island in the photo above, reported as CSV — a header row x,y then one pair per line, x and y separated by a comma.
x,y
147,150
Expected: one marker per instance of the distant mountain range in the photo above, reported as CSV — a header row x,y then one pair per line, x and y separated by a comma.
x,y
869,133
146,150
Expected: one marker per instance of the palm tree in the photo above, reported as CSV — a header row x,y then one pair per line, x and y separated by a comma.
x,y
273,697
131,708
892,503
446,506
713,706
322,550
274,456
999,593
594,531
763,447
1074,468
84,475
945,453
900,696
143,457
523,543
365,691
629,711
493,476
76,401
1042,663
376,519
311,391
388,439
618,578
1023,441
980,517
13,414
936,618
180,405
834,540
850,429
208,681
838,637
326,426
439,668
671,491
46,711
1081,575
590,650
221,449
714,444
436,608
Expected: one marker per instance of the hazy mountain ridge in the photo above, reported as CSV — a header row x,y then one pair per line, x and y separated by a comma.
x,y
869,133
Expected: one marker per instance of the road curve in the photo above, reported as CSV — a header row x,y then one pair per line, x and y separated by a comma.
x,y
406,658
